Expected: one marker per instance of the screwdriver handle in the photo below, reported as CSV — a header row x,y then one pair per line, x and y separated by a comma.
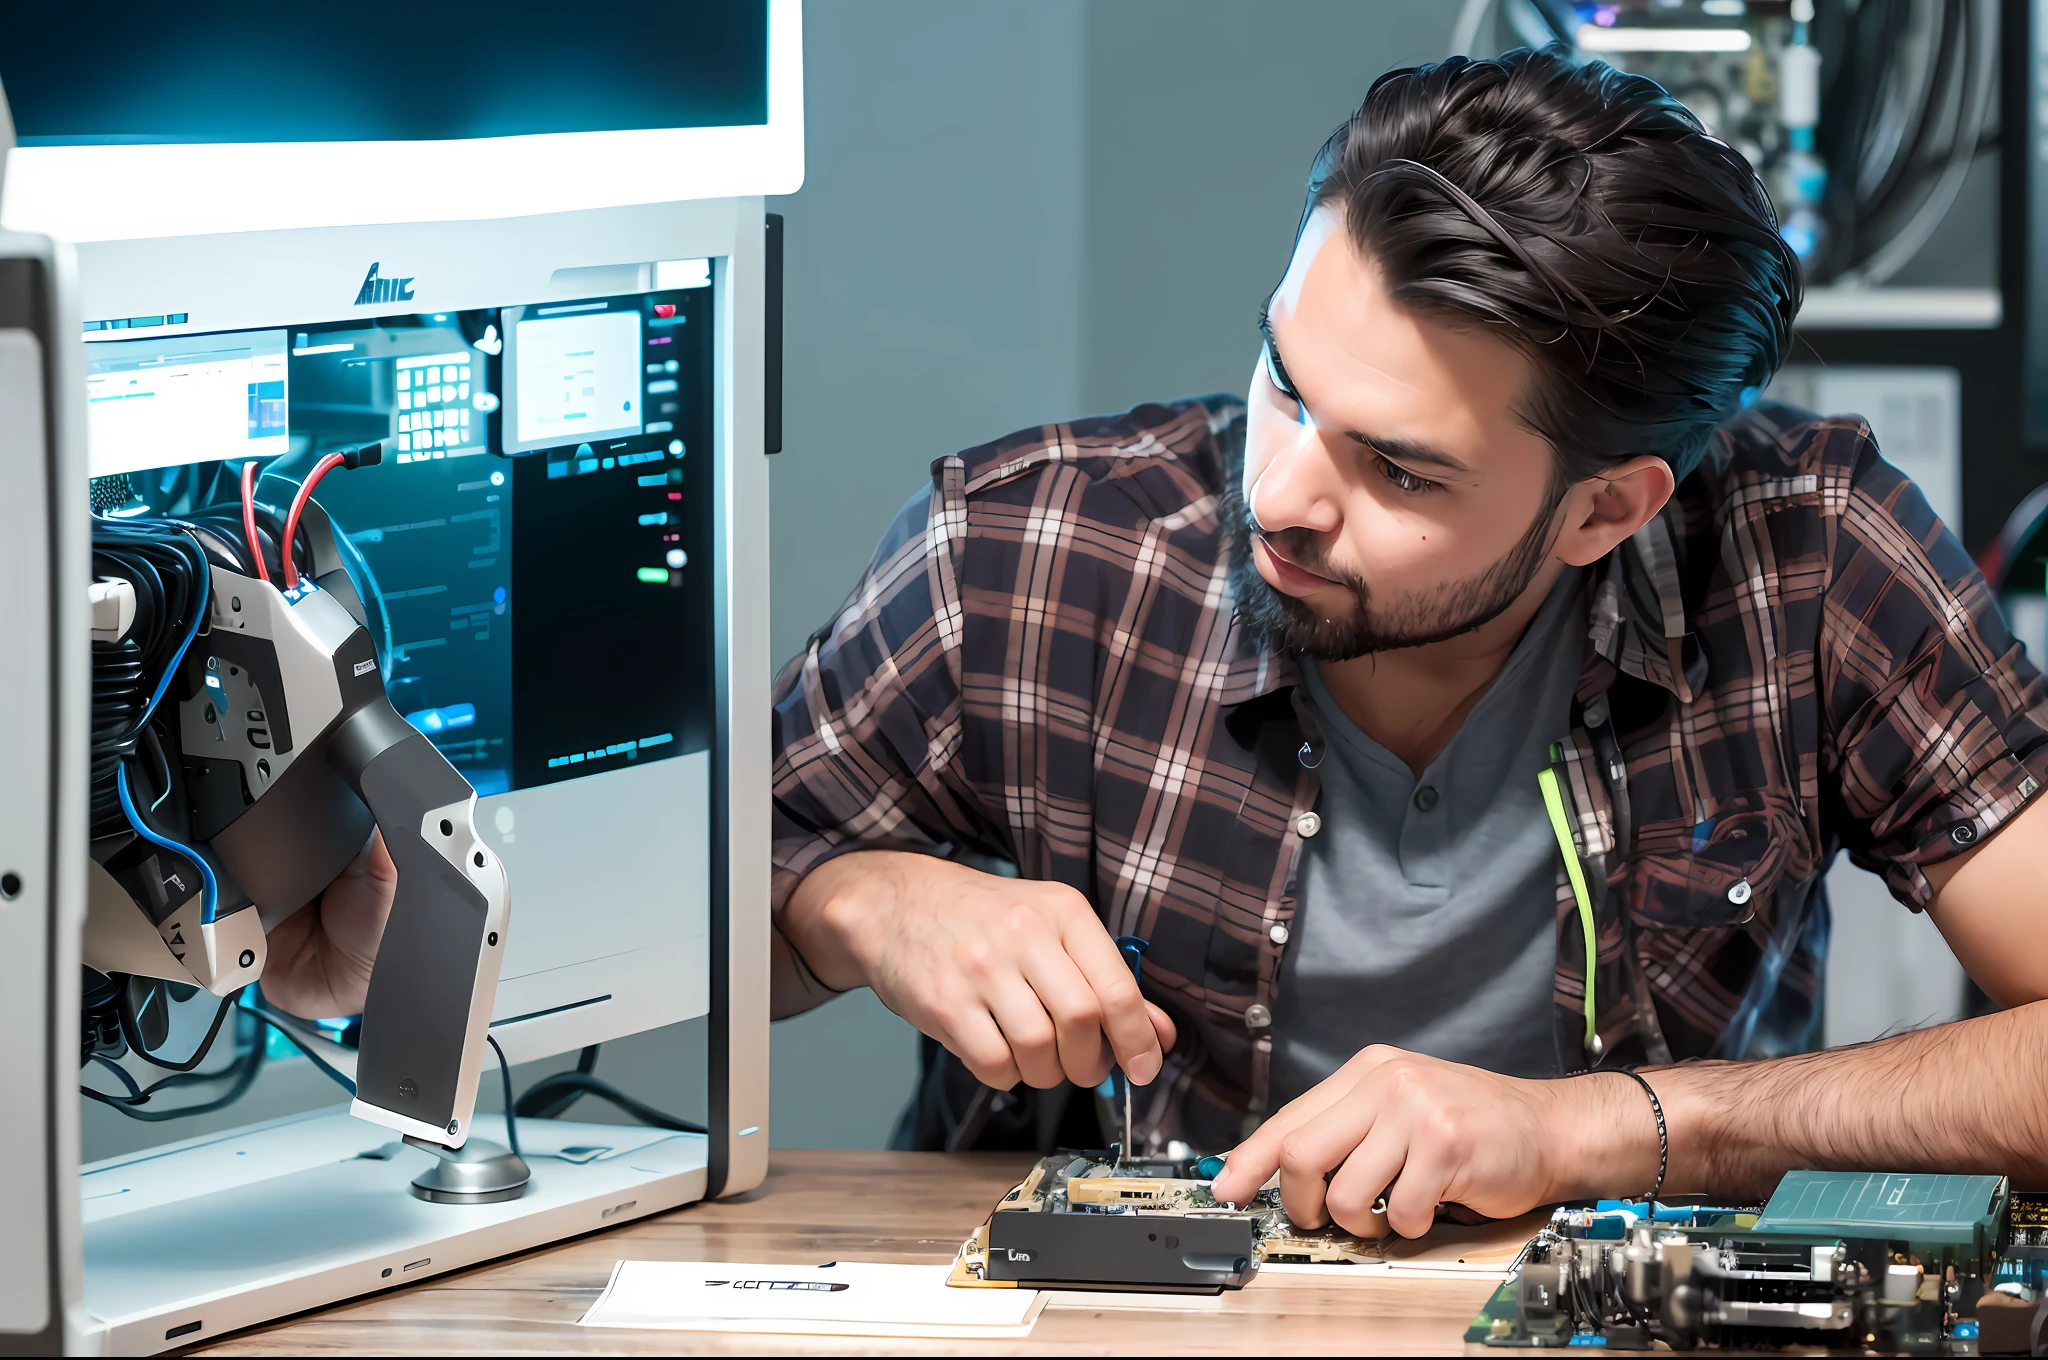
x,y
1133,949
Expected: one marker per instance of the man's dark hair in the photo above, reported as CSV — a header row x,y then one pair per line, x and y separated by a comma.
x,y
1586,214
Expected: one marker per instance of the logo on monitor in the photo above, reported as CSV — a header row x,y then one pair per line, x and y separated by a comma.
x,y
375,289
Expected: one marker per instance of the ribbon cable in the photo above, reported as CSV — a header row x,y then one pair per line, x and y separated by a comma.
x,y
1560,823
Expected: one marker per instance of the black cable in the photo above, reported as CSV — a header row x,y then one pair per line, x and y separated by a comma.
x,y
133,1034
166,569
575,1085
326,1069
553,1105
511,1113
244,1071
135,1091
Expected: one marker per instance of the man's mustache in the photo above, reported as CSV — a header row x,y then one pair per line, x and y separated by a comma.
x,y
1299,547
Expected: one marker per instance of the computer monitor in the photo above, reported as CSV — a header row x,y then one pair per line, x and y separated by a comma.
x,y
544,618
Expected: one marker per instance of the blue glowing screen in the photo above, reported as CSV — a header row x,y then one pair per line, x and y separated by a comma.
x,y
240,71
540,617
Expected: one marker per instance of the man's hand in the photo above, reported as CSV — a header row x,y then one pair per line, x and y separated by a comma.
x,y
320,955
1017,978
1423,1132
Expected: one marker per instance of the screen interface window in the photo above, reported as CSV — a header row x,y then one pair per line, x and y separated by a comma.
x,y
187,399
534,547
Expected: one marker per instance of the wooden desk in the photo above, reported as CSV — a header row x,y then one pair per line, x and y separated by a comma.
x,y
868,1206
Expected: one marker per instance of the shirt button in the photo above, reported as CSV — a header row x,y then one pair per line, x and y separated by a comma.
x,y
1308,824
1963,833
1278,934
1740,892
1425,797
1257,1017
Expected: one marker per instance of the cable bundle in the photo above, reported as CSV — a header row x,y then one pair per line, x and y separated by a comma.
x,y
169,573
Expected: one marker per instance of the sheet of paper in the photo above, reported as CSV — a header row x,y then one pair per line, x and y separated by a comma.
x,y
845,1298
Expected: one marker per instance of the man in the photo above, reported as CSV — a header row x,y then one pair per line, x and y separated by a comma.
x,y
1466,719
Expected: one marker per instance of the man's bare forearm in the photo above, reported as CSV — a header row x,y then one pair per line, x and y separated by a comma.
x,y
1966,1097
812,959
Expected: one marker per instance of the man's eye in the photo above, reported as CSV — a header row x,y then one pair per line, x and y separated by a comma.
x,y
1276,374
1403,480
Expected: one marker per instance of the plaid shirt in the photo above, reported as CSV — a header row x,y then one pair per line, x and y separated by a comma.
x,y
1043,663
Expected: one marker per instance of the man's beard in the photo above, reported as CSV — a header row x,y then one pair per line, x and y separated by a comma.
x,y
1449,610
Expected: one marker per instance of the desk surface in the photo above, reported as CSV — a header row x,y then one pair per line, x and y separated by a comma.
x,y
821,1206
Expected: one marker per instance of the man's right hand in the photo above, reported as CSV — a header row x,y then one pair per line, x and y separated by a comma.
x,y
1017,978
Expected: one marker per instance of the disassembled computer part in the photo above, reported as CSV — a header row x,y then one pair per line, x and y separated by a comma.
x,y
1916,1264
248,752
1087,1220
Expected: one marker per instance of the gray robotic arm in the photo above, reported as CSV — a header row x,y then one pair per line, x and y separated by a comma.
x,y
288,753
437,968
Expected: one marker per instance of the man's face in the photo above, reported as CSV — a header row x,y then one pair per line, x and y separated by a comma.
x,y
1403,501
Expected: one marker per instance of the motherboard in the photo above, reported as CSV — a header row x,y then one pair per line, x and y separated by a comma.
x,y
1093,1220
1919,1264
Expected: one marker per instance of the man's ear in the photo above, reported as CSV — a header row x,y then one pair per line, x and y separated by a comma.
x,y
1603,510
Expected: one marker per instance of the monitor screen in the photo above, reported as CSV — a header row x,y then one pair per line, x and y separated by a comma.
x,y
535,554
135,71
186,399
575,374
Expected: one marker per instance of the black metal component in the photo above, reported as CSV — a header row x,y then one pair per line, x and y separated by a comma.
x,y
1097,1251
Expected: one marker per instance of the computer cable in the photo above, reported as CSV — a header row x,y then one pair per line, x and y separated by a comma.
x,y
209,901
249,536
167,571
261,1010
305,493
136,1094
537,1104
551,1095
132,1033
242,1073
511,1106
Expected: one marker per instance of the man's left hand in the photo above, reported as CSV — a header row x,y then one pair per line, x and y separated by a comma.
x,y
320,956
1424,1132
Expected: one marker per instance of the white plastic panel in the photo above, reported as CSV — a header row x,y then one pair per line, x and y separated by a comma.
x,y
26,796
235,1229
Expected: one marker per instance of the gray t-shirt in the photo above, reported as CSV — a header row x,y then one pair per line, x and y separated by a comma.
x,y
1427,912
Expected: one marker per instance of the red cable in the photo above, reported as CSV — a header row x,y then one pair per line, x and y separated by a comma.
x,y
291,523
249,518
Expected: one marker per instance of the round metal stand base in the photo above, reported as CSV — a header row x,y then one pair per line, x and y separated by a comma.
x,y
479,1172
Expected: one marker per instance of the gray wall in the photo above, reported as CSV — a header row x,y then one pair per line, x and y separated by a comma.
x,y
1203,118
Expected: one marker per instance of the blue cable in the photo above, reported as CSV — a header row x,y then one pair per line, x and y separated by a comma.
x,y
198,617
210,897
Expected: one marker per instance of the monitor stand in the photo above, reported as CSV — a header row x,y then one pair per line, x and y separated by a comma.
x,y
195,1239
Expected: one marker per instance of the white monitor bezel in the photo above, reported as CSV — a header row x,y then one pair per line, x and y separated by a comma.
x,y
109,193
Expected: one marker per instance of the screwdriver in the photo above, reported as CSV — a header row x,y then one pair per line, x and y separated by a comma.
x,y
1133,949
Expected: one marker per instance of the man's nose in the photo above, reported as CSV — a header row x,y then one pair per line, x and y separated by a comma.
x,y
1294,488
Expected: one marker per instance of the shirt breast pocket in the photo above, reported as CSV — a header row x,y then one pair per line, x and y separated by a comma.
x,y
1719,872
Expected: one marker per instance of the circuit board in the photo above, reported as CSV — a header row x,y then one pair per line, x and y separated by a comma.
x,y
1918,1264
1089,1220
